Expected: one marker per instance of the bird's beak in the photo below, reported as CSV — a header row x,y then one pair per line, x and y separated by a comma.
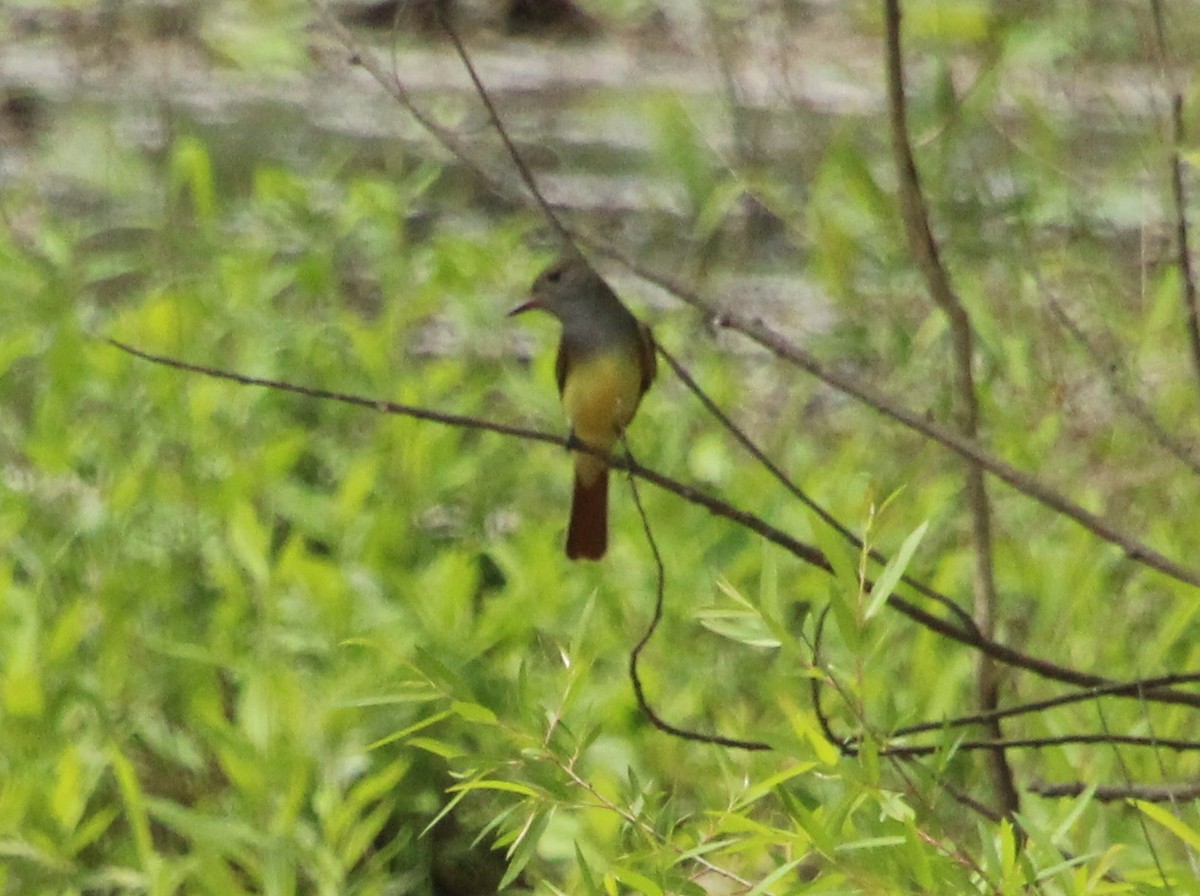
x,y
527,306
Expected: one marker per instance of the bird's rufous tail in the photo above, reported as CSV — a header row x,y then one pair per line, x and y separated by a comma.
x,y
587,533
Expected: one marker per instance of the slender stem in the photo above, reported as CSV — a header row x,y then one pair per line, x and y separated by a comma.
x,y
937,281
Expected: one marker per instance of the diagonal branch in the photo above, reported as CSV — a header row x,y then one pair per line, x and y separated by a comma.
x,y
967,636
783,348
783,479
1133,404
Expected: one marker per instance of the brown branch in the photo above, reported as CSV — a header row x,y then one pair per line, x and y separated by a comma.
x,y
517,159
1179,745
635,655
1190,302
937,281
1142,823
850,745
374,404
716,506
1191,305
758,332
1132,403
1136,688
785,349
783,479
1162,793
390,82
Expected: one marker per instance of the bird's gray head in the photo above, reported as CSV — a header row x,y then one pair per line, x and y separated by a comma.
x,y
569,289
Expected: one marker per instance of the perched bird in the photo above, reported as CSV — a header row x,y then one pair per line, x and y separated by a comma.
x,y
606,362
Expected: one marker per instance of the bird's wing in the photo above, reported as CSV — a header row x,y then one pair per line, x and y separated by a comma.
x,y
649,356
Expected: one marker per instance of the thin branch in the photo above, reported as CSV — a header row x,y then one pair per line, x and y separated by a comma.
x,y
1118,689
1190,302
1143,824
1162,793
634,655
1191,305
1179,745
782,478
390,82
782,348
937,281
850,745
1132,403
486,99
717,507
374,404
1030,486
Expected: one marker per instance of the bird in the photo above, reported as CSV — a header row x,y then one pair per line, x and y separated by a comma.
x,y
606,362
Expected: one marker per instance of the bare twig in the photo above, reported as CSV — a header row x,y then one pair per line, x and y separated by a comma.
x,y
1133,404
486,99
390,81
635,655
783,479
1191,305
937,281
1162,793
784,349
1180,745
374,404
1141,817
1134,688
1030,486
798,549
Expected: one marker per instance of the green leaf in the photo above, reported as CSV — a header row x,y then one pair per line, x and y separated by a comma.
x,y
191,170
526,845
1176,826
496,784
763,886
134,802
473,712
636,880
742,623
249,542
590,886
886,583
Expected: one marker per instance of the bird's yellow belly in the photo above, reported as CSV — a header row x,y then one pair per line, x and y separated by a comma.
x,y
600,396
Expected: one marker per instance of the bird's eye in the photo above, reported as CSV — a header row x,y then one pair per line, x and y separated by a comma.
x,y
555,275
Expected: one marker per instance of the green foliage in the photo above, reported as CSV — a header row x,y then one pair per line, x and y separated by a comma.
x,y
256,642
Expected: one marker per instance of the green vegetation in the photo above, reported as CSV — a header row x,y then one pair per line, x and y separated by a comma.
x,y
255,642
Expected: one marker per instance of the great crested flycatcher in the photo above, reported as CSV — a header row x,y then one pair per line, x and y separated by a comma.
x,y
606,362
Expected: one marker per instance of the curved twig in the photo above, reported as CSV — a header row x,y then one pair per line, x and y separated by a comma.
x,y
635,655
